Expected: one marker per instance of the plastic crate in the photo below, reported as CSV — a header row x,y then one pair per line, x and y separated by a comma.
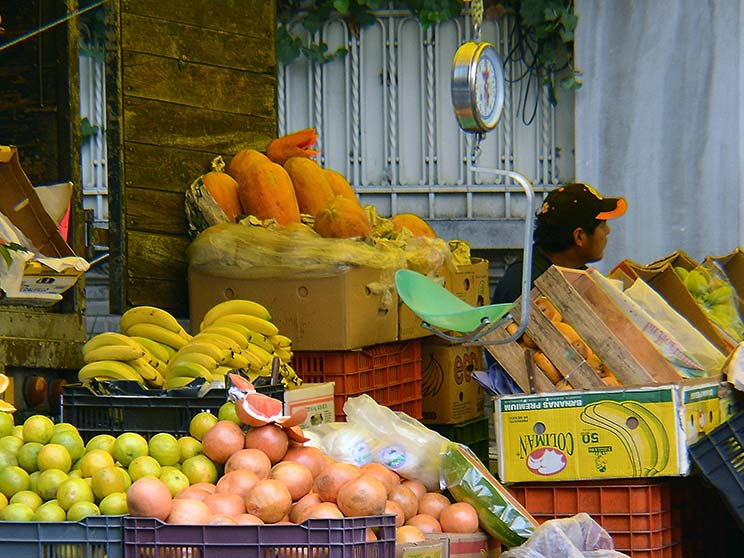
x,y
319,538
637,513
390,373
93,537
472,433
145,414
720,457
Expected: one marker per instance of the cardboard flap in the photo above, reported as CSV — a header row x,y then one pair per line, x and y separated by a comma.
x,y
20,203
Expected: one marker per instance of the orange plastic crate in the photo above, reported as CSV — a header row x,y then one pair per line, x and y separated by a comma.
x,y
390,373
637,513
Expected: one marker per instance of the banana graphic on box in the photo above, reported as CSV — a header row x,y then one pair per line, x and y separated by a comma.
x,y
642,433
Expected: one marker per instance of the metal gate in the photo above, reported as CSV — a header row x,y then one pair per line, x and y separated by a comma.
x,y
384,120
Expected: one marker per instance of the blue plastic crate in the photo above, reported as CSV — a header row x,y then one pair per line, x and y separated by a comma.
x,y
93,537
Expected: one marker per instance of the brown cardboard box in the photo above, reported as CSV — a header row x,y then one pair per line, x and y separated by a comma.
x,y
317,398
409,324
470,282
450,394
733,265
336,312
435,546
473,545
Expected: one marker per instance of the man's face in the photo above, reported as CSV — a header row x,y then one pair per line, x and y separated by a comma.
x,y
592,250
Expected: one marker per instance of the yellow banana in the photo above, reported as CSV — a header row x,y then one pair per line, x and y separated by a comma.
x,y
202,346
283,354
238,361
177,382
265,356
184,334
200,358
171,350
280,340
658,436
156,349
156,333
114,352
147,371
221,370
262,341
289,376
149,315
190,369
107,338
219,340
260,325
235,306
240,338
110,370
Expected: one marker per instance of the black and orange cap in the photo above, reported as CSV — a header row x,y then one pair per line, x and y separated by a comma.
x,y
576,204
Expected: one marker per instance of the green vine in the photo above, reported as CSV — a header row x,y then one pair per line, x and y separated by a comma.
x,y
543,33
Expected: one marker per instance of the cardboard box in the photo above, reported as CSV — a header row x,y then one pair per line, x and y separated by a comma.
x,y
450,394
435,546
585,435
21,204
336,312
409,324
317,398
473,545
733,264
661,276
470,282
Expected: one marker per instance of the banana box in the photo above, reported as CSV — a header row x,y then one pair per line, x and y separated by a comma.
x,y
317,398
450,393
619,433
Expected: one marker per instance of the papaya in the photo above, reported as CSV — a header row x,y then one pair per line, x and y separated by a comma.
x,y
295,144
310,184
340,185
244,159
342,218
415,224
224,189
266,191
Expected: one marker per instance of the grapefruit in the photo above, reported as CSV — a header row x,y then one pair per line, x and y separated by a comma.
x,y
72,491
93,460
149,497
189,447
101,441
201,423
54,456
31,499
175,479
49,511
13,479
27,456
7,422
144,466
114,504
71,440
165,448
270,439
81,510
16,512
227,412
107,480
48,482
200,469
38,428
128,446
268,500
222,440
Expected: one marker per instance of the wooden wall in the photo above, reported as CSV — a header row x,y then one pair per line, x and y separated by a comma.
x,y
186,81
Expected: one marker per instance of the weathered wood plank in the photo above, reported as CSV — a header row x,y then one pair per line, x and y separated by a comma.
x,y
169,295
198,85
161,168
156,256
155,212
192,44
180,127
255,18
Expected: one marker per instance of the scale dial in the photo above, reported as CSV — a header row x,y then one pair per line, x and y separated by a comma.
x,y
477,87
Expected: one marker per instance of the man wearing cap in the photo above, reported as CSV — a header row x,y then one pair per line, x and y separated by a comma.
x,y
571,231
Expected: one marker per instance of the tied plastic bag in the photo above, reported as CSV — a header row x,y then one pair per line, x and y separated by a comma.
x,y
374,433
573,537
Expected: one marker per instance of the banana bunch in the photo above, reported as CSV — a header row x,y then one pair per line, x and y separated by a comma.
x,y
646,444
155,324
114,356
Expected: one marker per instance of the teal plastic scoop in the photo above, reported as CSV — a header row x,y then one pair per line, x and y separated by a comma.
x,y
440,308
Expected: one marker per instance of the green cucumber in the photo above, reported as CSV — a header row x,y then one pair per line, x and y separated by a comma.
x,y
499,513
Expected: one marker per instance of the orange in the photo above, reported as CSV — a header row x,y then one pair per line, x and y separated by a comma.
x,y
94,460
13,479
190,447
101,441
201,423
114,504
7,422
144,466
81,510
65,426
16,512
7,458
48,482
128,446
38,428
200,469
11,444
49,511
73,491
127,478
165,448
227,412
107,480
54,456
71,440
175,480
31,499
28,455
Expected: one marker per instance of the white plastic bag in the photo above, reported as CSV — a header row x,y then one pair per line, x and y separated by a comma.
x,y
573,537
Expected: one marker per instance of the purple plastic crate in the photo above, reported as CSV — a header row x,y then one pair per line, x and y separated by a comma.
x,y
316,538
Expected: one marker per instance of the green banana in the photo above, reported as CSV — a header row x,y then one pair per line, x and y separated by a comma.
x,y
109,370
156,333
177,382
113,352
190,369
158,350
149,315
235,306
261,325
659,436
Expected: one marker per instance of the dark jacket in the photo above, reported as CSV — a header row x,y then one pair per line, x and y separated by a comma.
x,y
509,287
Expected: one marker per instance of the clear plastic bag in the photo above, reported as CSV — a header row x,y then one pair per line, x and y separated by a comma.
x,y
573,537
